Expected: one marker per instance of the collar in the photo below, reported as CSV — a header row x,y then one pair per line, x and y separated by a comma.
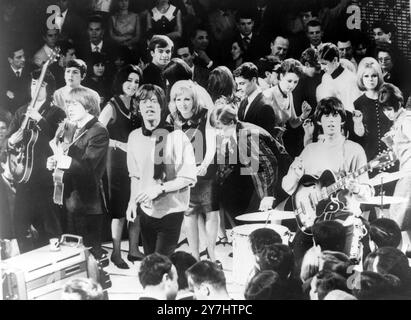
x,y
315,47
86,123
337,72
99,45
169,14
48,50
401,114
253,95
15,70
282,92
250,36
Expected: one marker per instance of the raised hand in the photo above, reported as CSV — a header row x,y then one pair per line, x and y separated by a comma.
x,y
357,116
306,110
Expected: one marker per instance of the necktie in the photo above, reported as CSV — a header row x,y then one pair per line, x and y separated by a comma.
x,y
18,74
241,110
96,49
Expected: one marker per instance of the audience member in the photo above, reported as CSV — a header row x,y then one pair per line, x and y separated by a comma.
x,y
165,19
374,286
82,289
384,233
66,54
326,281
183,261
159,278
50,37
266,285
279,48
200,74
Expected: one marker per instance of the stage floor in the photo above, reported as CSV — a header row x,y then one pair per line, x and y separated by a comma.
x,y
126,285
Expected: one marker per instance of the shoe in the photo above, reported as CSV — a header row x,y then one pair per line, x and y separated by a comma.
x,y
134,258
224,243
121,264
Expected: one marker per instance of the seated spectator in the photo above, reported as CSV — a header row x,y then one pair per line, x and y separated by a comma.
x,y
314,34
276,257
268,73
326,281
97,78
207,281
221,19
193,12
158,276
266,285
389,260
279,48
237,55
205,54
121,56
165,19
329,235
67,53
339,295
124,25
383,33
221,83
374,286
345,48
263,237
82,289
384,233
161,49
50,37
200,74
102,8
183,261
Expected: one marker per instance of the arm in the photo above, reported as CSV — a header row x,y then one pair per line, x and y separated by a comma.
x,y
106,115
294,174
49,124
135,185
178,31
210,146
113,35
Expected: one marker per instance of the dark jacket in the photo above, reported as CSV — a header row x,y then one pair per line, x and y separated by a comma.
x,y
258,47
201,76
82,179
152,74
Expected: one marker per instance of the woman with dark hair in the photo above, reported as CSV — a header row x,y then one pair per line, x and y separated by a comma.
x,y
398,138
237,55
124,26
165,19
162,168
119,116
221,83
192,117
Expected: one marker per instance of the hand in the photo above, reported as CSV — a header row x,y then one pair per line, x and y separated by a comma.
x,y
308,127
201,170
10,94
131,212
148,194
353,186
51,163
16,137
357,117
298,167
306,110
34,114
266,203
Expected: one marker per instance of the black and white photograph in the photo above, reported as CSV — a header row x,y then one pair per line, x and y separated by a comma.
x,y
223,150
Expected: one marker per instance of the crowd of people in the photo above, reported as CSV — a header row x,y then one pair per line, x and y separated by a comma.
x,y
181,115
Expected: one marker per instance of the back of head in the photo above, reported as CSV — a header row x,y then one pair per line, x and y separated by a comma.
x,y
247,70
374,286
82,289
329,235
182,261
266,285
385,233
207,272
276,257
262,237
152,269
176,70
328,51
339,295
389,260
310,56
220,83
390,96
335,261
327,281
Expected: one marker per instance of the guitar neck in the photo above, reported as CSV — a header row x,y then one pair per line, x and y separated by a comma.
x,y
340,183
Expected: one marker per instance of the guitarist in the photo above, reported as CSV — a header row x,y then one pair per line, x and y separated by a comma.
x,y
333,152
34,200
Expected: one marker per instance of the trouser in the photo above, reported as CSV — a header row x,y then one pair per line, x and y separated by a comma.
x,y
160,235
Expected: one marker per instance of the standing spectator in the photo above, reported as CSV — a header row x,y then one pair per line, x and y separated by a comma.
x,y
124,26
117,116
165,19
161,49
158,276
346,49
160,188
15,81
192,117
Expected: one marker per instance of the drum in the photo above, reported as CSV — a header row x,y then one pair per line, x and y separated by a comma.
x,y
243,258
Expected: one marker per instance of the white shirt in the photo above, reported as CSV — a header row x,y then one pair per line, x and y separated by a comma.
x,y
316,47
250,36
16,70
251,98
99,46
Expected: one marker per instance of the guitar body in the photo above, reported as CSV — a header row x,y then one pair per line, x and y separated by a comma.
x,y
21,159
302,200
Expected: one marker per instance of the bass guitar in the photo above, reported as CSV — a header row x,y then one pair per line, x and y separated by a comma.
x,y
20,157
328,191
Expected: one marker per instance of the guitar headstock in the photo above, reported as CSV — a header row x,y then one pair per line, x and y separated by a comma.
x,y
54,56
383,161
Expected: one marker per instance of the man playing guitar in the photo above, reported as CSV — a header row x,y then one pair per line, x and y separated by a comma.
x,y
335,153
34,199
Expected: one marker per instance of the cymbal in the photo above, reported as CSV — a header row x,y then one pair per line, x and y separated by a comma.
x,y
385,200
270,215
386,177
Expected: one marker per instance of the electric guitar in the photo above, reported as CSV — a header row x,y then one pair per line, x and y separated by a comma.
x,y
328,190
20,157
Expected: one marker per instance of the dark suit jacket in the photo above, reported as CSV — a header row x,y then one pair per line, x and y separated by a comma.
x,y
259,47
82,179
260,113
84,50
201,75
74,27
19,86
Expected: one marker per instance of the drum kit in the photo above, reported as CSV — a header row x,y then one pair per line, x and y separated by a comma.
x,y
243,259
